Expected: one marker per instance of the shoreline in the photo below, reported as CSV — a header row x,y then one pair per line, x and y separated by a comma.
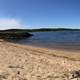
x,y
20,62
62,52
65,53
56,47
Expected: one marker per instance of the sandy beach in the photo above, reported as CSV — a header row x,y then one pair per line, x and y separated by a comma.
x,y
20,62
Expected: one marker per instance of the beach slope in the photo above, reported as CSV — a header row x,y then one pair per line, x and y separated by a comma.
x,y
19,62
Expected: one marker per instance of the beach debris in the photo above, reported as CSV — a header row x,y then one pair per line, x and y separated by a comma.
x,y
21,67
74,75
4,75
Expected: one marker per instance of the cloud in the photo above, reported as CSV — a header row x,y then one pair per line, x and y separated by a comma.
x,y
10,24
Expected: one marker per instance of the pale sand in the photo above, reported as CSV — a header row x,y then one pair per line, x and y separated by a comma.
x,y
19,62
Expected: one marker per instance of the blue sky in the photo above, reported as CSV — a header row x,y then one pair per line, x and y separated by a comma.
x,y
39,13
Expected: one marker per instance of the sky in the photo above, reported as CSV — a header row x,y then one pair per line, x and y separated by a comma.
x,y
39,14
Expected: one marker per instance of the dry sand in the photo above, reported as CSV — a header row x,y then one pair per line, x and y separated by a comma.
x,y
19,62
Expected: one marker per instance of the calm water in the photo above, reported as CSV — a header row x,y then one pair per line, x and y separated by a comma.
x,y
66,40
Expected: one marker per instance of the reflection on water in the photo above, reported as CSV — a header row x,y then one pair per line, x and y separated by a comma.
x,y
54,39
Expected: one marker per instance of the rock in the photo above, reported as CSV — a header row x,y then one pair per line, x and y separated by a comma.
x,y
74,75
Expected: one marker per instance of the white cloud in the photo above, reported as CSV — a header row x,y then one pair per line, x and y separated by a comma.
x,y
10,24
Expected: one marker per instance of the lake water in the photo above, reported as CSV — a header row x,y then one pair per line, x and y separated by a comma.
x,y
64,39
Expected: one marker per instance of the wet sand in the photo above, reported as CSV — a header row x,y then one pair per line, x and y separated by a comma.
x,y
20,62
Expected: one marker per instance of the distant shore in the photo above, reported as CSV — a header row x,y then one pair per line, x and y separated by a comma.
x,y
34,63
39,30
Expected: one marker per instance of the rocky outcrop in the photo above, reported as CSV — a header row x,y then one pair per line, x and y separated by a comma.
x,y
14,35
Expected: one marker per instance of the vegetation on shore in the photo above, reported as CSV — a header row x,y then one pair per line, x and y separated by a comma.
x,y
39,30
